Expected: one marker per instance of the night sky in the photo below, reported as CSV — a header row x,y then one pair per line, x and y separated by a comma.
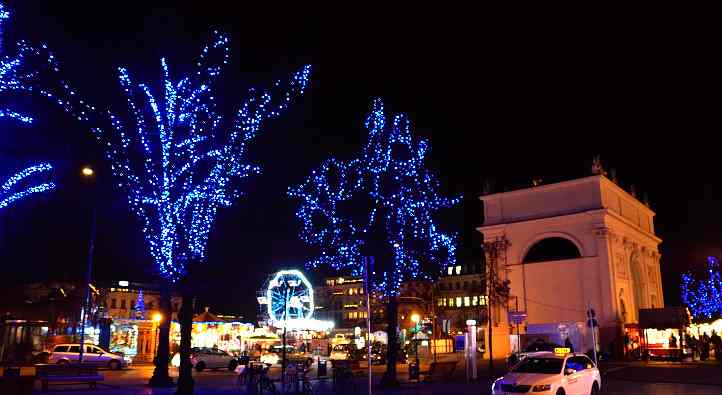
x,y
505,98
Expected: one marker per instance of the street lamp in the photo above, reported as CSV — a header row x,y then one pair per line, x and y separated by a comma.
x,y
416,318
157,318
88,173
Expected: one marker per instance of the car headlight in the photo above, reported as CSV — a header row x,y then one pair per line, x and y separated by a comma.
x,y
541,387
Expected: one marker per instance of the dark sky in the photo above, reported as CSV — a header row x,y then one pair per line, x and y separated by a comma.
x,y
504,97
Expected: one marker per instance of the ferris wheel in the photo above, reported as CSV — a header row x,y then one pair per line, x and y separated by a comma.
x,y
289,297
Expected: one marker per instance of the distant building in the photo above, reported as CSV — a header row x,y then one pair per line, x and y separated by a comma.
x,y
567,245
460,296
343,301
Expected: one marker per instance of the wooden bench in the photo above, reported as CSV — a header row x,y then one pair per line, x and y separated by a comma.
x,y
67,374
444,370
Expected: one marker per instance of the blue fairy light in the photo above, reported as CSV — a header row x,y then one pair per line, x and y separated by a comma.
x,y
402,193
703,297
13,190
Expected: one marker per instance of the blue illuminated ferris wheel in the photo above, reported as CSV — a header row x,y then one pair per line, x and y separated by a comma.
x,y
289,296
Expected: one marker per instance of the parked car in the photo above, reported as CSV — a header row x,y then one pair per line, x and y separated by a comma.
x,y
93,355
293,356
203,358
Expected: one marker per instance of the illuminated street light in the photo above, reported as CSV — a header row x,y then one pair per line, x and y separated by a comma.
x,y
415,318
87,171
157,317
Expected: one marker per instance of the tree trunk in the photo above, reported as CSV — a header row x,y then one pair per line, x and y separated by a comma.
x,y
389,379
185,374
160,377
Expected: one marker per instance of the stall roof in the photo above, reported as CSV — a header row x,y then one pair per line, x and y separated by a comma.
x,y
668,317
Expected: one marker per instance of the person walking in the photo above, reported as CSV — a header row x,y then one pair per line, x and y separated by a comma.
x,y
704,354
568,344
717,345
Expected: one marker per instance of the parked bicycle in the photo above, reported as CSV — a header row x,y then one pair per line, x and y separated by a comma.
x,y
254,380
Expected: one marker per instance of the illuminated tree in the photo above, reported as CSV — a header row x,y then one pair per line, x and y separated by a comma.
x,y
703,297
16,188
388,185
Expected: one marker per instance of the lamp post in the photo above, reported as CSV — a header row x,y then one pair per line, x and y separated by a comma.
x,y
87,173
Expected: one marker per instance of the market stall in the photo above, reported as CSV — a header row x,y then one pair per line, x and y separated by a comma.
x,y
662,331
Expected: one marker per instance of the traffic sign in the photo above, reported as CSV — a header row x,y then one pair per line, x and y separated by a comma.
x,y
517,317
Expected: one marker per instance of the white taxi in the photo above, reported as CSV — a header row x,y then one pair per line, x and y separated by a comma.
x,y
558,372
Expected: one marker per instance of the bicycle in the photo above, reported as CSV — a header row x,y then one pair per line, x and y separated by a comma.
x,y
297,381
254,379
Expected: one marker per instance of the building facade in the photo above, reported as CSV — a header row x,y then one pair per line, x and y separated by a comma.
x,y
569,246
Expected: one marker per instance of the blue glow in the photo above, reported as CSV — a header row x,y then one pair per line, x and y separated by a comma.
x,y
174,155
402,193
12,76
9,192
703,297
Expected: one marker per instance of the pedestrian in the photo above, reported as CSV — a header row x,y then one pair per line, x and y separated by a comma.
x,y
704,354
672,341
568,344
717,345
626,344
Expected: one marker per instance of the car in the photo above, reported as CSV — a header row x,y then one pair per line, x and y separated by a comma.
x,y
557,373
293,356
64,354
203,358
342,352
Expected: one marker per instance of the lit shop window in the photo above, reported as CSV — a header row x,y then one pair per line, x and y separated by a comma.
x,y
458,269
450,270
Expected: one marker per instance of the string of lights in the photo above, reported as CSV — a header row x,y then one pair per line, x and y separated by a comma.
x,y
13,77
9,192
173,154
703,297
387,182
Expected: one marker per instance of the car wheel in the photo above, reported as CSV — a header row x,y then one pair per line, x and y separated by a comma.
x,y
114,365
63,362
595,389
232,365
200,366
560,391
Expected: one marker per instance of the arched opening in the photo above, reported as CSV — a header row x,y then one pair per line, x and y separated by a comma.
x,y
638,283
552,249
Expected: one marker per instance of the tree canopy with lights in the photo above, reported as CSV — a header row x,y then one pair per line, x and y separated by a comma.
x,y
387,185
174,153
703,297
13,78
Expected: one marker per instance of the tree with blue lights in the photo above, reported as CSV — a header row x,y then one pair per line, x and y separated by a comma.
x,y
388,186
177,158
704,297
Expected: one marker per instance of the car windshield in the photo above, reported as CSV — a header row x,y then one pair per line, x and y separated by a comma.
x,y
539,346
539,365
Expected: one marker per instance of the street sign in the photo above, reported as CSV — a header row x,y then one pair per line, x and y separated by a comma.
x,y
517,317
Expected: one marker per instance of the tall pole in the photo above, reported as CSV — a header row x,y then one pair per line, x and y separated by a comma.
x,y
368,319
86,287
285,324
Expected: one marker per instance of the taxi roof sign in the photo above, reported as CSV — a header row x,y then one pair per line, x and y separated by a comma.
x,y
562,350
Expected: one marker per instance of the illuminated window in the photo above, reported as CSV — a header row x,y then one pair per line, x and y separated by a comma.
x,y
450,270
361,291
458,269
444,300
475,301
482,300
451,302
440,302
466,301
458,301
